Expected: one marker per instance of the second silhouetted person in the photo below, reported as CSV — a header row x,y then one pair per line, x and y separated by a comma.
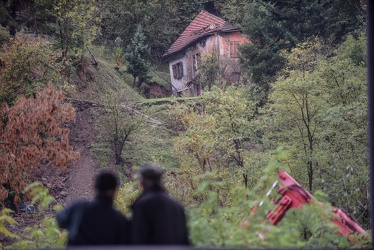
x,y
158,219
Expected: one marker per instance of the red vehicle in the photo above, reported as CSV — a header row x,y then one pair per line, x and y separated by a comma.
x,y
293,195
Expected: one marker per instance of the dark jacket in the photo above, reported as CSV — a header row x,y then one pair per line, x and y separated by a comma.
x,y
158,219
94,223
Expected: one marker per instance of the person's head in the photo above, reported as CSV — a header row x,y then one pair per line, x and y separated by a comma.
x,y
106,183
150,175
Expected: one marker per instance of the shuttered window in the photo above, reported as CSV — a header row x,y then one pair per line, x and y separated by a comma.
x,y
180,70
177,70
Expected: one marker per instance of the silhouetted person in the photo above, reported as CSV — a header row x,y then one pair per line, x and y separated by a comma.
x,y
96,222
158,219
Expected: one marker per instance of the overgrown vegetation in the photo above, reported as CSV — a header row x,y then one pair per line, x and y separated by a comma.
x,y
119,124
31,131
307,94
27,64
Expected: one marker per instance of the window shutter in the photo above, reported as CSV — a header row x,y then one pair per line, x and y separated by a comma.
x,y
180,70
175,71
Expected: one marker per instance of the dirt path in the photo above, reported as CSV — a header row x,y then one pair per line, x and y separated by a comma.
x,y
81,136
81,177
78,183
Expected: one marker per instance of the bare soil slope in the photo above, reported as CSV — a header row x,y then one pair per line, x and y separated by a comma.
x,y
82,133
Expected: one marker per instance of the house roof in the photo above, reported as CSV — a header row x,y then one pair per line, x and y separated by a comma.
x,y
204,24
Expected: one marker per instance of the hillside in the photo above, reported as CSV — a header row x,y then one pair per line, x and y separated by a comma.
x,y
151,143
90,77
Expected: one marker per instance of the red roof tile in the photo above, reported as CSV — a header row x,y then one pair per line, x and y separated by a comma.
x,y
204,24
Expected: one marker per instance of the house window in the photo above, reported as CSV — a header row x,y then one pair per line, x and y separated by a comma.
x,y
178,70
234,48
196,59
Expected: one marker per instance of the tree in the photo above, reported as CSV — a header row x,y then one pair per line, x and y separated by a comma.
x,y
209,70
118,54
277,25
136,56
234,133
298,101
31,131
26,63
345,144
162,21
219,133
78,25
119,124
318,111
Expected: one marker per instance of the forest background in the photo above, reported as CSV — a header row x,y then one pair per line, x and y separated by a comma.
x,y
300,106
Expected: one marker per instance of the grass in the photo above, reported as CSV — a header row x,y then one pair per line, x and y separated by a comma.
x,y
161,78
167,100
154,143
101,152
106,79
159,73
151,143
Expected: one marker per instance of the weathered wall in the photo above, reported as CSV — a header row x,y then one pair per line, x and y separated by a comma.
x,y
230,65
217,42
179,84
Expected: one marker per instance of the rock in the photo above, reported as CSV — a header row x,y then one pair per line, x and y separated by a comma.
x,y
64,193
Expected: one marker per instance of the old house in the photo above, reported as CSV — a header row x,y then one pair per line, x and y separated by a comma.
x,y
206,34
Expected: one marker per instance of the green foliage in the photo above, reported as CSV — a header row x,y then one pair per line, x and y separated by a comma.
x,y
297,103
118,57
262,57
212,224
209,70
152,143
217,138
106,80
6,219
47,234
274,26
162,21
318,111
119,124
26,64
4,35
136,56
126,195
78,25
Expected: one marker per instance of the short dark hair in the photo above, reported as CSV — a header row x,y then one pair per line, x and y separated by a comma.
x,y
106,180
151,171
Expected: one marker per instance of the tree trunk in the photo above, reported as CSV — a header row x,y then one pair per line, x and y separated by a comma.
x,y
117,151
140,81
118,155
245,177
310,175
